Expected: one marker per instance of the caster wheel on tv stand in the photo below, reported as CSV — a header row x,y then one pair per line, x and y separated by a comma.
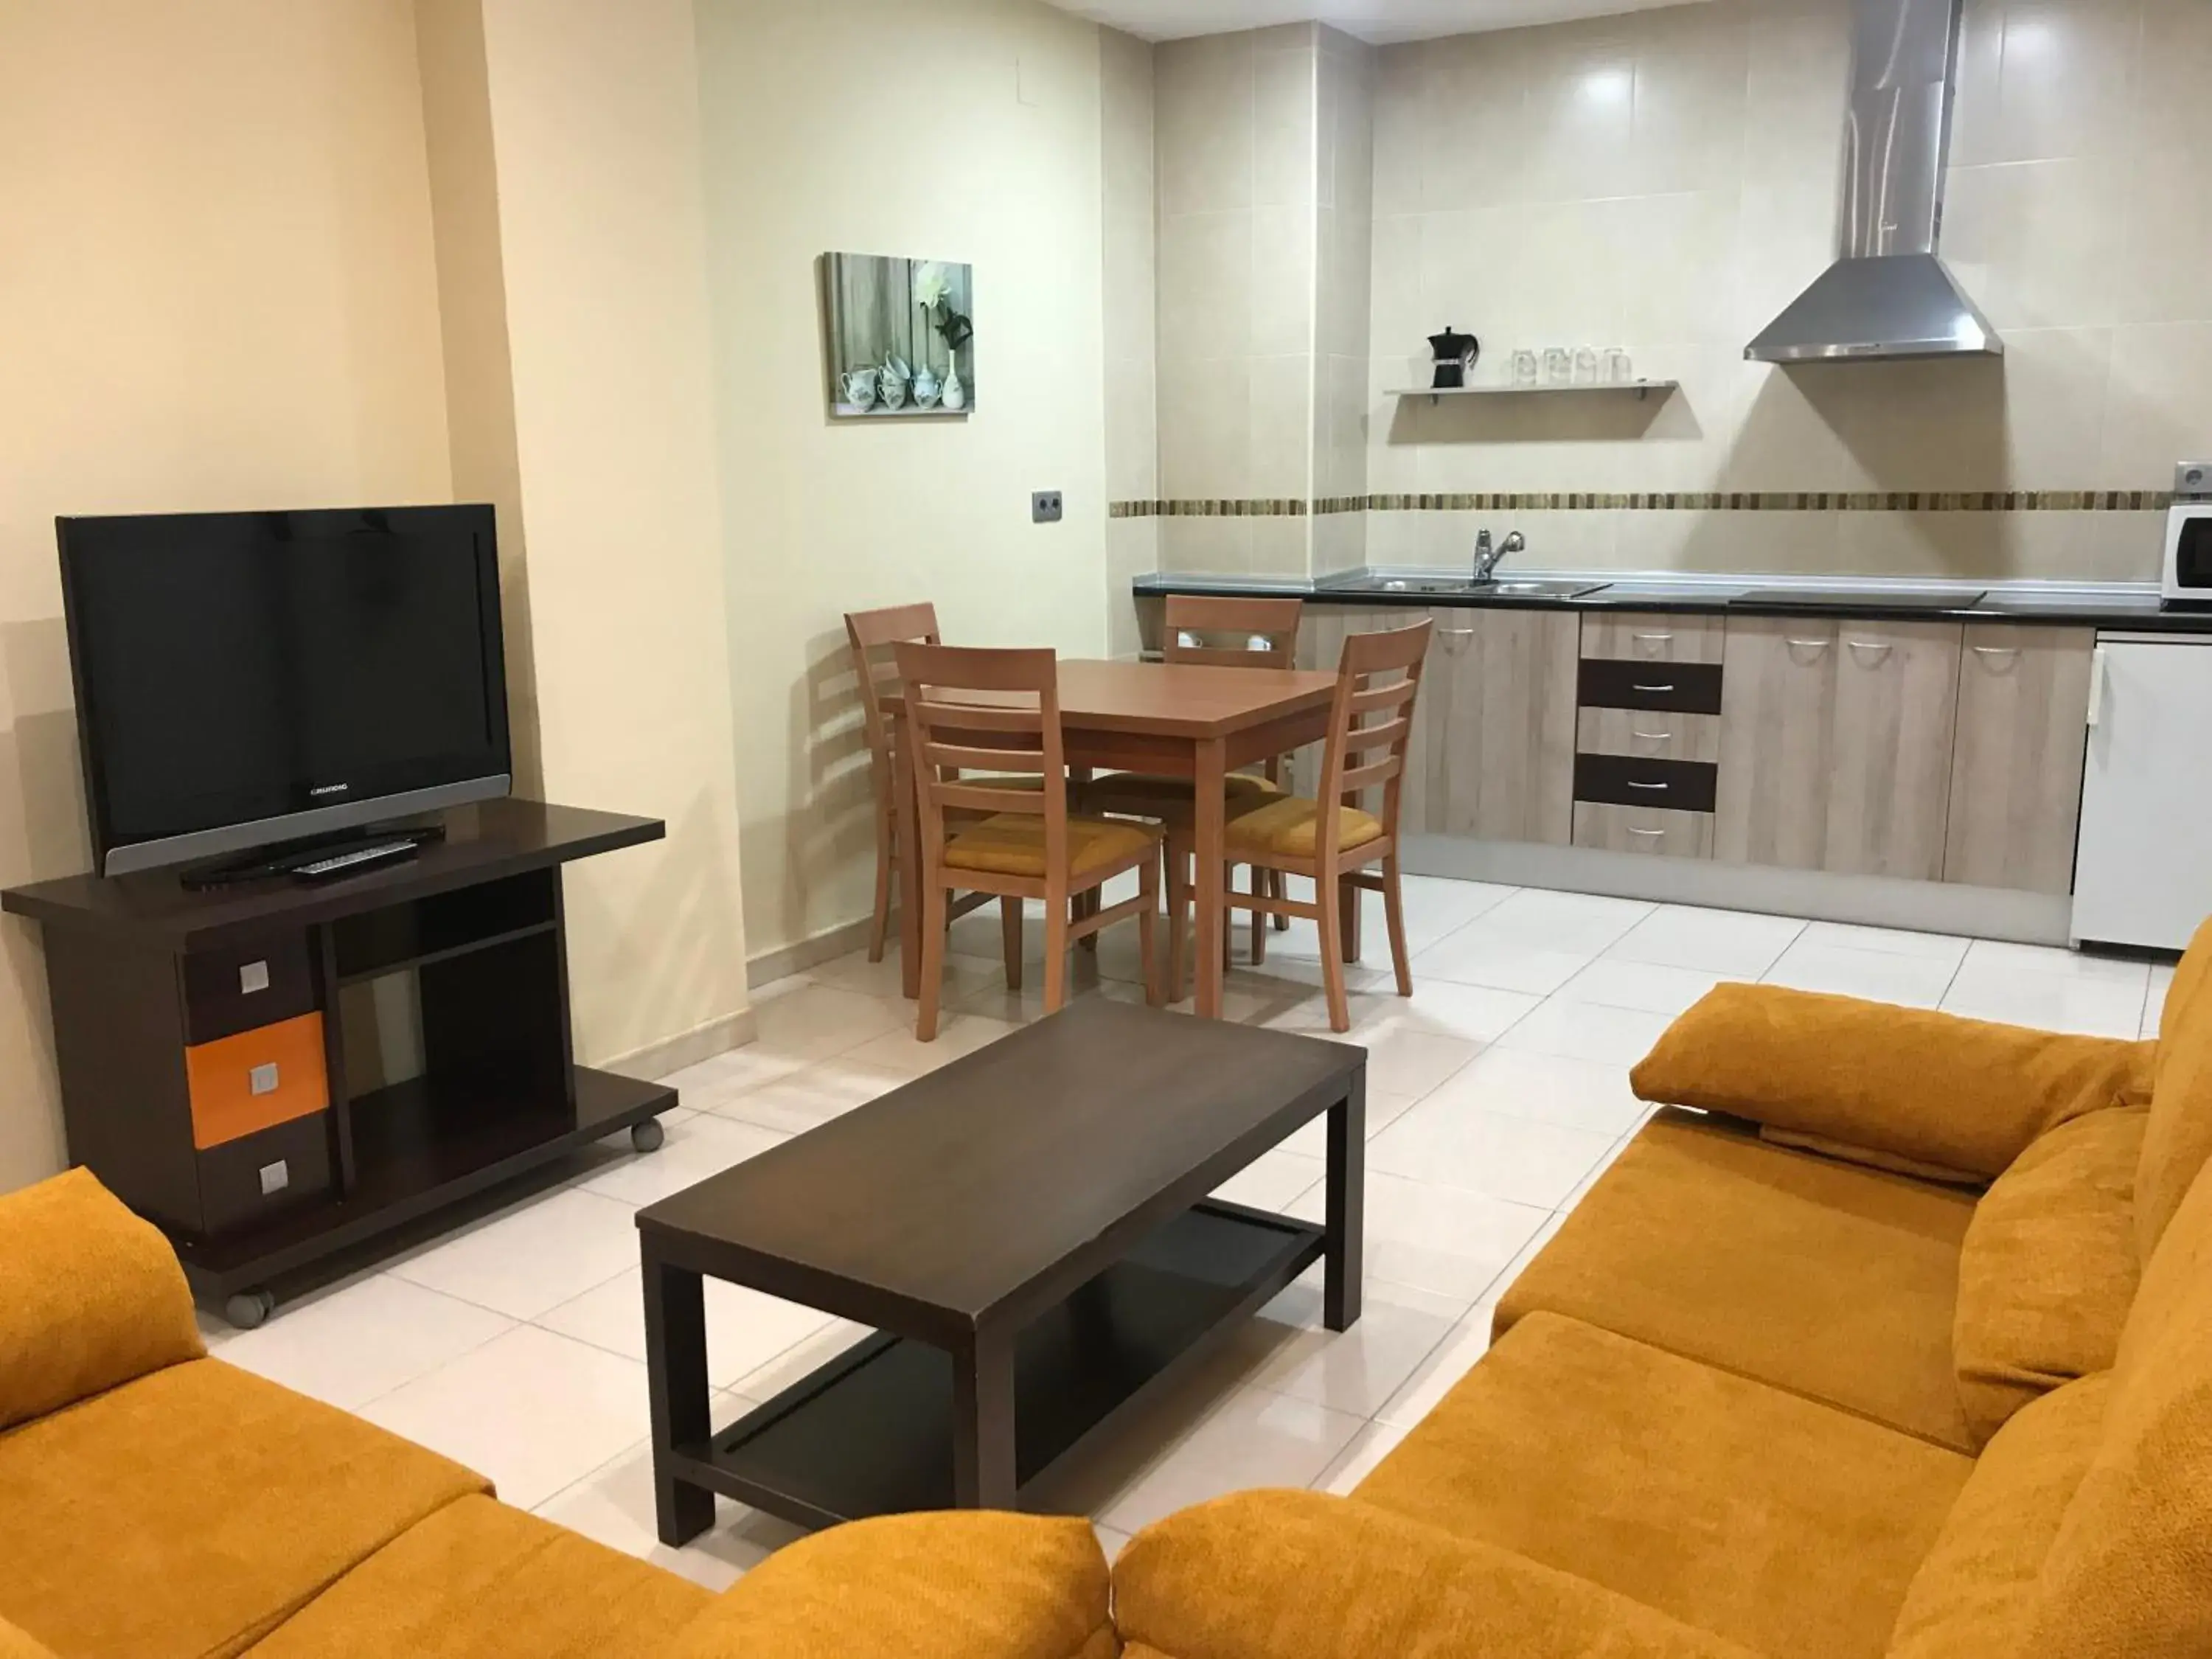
x,y
249,1310
647,1137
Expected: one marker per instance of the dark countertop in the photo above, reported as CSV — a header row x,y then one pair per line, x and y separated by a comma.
x,y
2114,605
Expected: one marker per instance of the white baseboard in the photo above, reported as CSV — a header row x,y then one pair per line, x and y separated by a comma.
x,y
786,960
657,1060
1927,907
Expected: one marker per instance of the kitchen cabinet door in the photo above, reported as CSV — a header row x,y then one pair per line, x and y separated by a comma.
x,y
1896,714
1501,725
1777,711
2016,765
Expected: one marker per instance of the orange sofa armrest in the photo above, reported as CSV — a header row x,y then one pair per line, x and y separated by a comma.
x,y
963,1584
1264,1574
90,1297
1923,1088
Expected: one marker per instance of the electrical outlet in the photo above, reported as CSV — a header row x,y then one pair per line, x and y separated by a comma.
x,y
1044,507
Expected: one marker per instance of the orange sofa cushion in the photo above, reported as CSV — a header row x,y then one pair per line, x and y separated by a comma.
x,y
190,1512
2178,1142
2049,1270
1962,1095
90,1297
1975,1594
1298,1575
1835,1282
479,1580
957,1585
1735,1508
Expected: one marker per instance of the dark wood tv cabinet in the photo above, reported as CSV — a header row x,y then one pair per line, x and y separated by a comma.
x,y
205,1077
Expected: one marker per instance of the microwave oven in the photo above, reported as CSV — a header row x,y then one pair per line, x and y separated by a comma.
x,y
2186,582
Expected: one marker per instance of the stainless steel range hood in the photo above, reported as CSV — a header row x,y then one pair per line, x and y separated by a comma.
x,y
1888,294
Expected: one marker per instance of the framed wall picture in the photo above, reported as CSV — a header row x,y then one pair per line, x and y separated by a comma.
x,y
902,336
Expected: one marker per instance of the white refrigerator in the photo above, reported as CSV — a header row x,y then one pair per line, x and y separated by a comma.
x,y
2143,869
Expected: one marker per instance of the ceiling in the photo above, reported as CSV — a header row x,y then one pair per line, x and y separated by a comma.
x,y
1377,21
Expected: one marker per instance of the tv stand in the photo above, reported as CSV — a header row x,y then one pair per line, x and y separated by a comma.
x,y
288,858
205,1076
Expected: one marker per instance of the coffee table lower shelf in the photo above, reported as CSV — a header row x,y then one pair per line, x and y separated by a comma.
x,y
871,1432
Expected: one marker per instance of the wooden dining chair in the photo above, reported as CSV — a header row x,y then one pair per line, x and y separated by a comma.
x,y
1328,838
872,634
1223,632
998,711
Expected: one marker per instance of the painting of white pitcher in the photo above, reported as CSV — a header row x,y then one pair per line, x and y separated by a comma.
x,y
911,323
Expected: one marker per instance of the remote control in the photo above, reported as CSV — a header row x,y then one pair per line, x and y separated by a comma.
x,y
345,863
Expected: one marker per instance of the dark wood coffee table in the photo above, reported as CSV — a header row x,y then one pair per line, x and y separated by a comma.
x,y
1029,1231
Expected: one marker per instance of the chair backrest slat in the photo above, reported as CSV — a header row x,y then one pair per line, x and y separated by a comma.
x,y
1222,632
870,635
1379,674
954,694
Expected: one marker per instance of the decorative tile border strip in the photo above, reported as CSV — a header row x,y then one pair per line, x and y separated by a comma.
x,y
1869,500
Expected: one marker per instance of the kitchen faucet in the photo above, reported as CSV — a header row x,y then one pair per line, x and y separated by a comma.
x,y
1486,557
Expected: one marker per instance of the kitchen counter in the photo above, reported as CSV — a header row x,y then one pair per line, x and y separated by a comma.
x,y
2133,605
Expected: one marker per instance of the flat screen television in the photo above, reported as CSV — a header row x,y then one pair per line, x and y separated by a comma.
x,y
249,679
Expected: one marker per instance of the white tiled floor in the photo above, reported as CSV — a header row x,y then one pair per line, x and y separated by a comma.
x,y
1496,1095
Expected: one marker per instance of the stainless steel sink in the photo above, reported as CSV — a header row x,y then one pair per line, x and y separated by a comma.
x,y
1534,588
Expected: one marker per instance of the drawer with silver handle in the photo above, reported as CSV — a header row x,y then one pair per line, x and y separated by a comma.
x,y
1612,829
1649,734
1624,780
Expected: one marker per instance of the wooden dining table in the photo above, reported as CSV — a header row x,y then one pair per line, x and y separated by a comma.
x,y
1180,719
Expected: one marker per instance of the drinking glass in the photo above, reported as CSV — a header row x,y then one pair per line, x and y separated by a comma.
x,y
1526,368
1585,365
1559,366
1617,370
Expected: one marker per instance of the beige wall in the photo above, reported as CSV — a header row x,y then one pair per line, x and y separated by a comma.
x,y
1133,451
1236,118
1669,181
1344,239
966,130
217,291
595,127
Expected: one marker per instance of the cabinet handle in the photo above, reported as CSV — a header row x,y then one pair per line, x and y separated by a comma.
x,y
1633,831
2097,687
1654,638
1881,646
1651,737
1457,633
1632,784
1994,650
1651,687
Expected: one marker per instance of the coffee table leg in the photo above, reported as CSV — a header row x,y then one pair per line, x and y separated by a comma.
x,y
676,1373
983,1423
1346,1207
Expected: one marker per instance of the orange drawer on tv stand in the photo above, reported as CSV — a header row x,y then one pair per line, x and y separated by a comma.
x,y
256,1079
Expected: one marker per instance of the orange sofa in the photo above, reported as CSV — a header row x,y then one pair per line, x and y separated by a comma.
x,y
1897,1341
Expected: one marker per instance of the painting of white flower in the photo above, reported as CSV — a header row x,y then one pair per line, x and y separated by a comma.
x,y
902,336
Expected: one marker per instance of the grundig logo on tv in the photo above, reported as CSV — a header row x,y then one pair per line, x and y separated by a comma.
x,y
330,789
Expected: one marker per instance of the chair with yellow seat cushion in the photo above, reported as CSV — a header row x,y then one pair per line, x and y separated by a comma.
x,y
870,634
970,710
1210,631
1370,722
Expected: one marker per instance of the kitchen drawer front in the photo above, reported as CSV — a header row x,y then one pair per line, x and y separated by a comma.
x,y
264,1173
1621,780
1653,637
1649,735
1639,829
253,1080
229,991
1671,687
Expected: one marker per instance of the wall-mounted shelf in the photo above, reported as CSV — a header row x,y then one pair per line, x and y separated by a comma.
x,y
1642,389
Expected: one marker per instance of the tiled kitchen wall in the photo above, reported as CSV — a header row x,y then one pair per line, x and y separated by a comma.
x,y
1667,181
1236,127
1133,448
1345,214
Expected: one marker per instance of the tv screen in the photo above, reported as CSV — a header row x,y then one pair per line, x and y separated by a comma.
x,y
249,677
